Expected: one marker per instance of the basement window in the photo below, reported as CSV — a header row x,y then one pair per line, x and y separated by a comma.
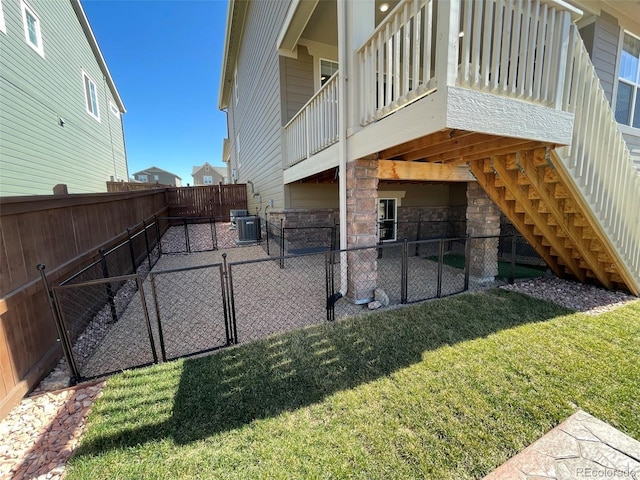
x,y
32,31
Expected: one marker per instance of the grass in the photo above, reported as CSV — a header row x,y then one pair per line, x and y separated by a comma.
x,y
446,390
504,268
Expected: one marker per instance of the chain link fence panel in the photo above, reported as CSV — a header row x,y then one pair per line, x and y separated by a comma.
x,y
190,309
107,324
267,299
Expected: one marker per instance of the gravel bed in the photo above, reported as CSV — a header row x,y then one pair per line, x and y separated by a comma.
x,y
576,296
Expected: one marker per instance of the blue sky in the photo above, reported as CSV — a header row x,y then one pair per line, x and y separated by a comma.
x,y
165,58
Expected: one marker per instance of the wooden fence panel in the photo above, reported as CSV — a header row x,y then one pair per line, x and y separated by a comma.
x,y
207,201
63,232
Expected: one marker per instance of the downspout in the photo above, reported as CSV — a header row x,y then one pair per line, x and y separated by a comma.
x,y
343,61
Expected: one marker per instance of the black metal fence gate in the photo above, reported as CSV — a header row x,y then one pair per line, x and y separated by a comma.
x,y
106,325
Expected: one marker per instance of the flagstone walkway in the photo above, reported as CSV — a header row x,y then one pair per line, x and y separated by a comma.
x,y
580,447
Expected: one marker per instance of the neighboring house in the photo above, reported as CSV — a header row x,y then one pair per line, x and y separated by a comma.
x,y
60,111
157,175
370,111
206,174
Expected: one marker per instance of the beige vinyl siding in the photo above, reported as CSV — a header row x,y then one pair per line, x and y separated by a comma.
x,y
257,116
37,153
297,83
604,53
311,195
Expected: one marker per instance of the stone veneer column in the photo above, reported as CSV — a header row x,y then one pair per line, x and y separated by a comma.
x,y
483,219
362,208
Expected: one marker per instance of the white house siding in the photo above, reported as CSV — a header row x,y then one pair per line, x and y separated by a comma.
x,y
256,118
37,153
297,83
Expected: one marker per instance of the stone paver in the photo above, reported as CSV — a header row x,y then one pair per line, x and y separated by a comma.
x,y
580,447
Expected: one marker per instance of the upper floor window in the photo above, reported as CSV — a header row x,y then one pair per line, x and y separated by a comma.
x,y
628,98
143,178
156,178
114,109
235,86
91,96
3,26
207,179
327,69
32,32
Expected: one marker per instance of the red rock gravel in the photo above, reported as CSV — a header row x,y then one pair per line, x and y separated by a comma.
x,y
40,434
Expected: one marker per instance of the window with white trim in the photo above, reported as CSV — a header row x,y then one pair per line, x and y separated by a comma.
x,y
156,178
90,96
207,179
114,109
143,178
3,26
235,86
327,69
32,30
628,97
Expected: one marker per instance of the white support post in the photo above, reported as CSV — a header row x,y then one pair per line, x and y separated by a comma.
x,y
448,25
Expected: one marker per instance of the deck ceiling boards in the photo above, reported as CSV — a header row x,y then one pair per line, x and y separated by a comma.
x,y
456,147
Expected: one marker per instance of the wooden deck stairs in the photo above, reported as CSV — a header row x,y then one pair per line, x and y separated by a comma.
x,y
531,193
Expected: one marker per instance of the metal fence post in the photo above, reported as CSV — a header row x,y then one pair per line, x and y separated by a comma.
x,y
147,322
404,271
186,235
105,274
513,259
440,261
146,242
214,233
266,227
154,292
467,262
225,299
158,242
67,349
131,251
282,243
232,304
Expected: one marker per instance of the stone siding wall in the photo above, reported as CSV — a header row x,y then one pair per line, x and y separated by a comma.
x,y
483,219
435,222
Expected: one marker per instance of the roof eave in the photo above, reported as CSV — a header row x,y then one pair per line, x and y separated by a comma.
x,y
84,23
233,33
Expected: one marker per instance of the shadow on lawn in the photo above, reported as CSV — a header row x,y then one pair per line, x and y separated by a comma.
x,y
236,386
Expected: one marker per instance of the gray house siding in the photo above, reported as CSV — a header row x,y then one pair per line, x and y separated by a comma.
x,y
297,83
36,151
605,51
256,118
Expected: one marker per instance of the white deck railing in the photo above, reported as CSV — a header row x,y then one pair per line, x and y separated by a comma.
x,y
315,126
396,62
514,48
599,161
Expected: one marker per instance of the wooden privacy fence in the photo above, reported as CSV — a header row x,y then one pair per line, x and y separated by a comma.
x,y
207,201
62,232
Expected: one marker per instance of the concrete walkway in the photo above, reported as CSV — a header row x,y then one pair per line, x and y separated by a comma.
x,y
580,447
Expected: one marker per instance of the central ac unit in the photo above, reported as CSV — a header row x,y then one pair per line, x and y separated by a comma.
x,y
235,214
248,230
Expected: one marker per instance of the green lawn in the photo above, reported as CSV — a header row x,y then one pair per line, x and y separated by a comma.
x,y
504,268
446,389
